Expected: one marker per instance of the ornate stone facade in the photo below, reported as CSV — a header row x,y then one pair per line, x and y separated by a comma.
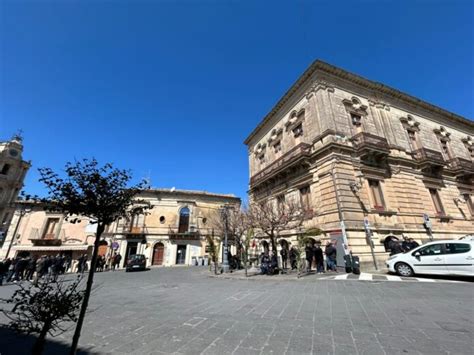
x,y
368,153
13,170
173,232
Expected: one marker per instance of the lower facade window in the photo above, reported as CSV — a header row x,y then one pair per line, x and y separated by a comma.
x,y
438,205
376,193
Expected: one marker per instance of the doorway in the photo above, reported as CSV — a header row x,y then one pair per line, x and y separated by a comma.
x,y
181,254
158,251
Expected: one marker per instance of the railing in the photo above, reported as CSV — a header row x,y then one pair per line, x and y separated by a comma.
x,y
301,150
126,229
370,141
424,155
192,235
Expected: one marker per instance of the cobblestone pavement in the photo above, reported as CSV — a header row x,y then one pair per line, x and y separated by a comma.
x,y
184,311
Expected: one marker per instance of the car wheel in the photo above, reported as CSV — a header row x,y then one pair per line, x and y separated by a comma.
x,y
127,270
404,269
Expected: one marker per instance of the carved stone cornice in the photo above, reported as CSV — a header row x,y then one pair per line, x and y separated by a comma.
x,y
379,104
354,105
275,136
319,85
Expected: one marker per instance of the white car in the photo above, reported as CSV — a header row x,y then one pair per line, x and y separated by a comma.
x,y
443,257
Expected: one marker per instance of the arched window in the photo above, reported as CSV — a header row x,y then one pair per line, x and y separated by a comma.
x,y
183,220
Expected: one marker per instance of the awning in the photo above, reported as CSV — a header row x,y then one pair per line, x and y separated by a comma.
x,y
43,248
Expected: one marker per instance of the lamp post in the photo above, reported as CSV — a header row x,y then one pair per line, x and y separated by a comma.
x,y
23,211
225,261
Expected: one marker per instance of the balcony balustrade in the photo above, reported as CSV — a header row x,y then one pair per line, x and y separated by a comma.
x,y
461,167
301,151
428,158
367,143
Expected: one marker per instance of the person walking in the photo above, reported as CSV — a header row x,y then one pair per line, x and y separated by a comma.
x,y
39,270
116,262
309,257
3,271
284,257
331,255
319,258
30,268
293,258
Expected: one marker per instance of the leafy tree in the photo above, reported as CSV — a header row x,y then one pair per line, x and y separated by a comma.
x,y
98,192
43,309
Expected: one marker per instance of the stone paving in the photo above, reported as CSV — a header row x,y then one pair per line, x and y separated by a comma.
x,y
184,311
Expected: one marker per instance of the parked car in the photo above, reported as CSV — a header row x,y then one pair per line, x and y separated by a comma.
x,y
447,257
136,262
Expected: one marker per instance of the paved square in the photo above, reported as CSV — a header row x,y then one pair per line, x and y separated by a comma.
x,y
184,311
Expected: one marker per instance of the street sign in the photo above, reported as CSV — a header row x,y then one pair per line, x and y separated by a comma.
x,y
115,245
366,223
426,221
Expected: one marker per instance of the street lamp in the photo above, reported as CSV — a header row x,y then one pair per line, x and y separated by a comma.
x,y
23,211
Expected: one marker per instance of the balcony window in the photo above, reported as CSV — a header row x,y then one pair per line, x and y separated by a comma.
x,y
376,194
413,139
438,205
51,227
183,220
305,197
445,150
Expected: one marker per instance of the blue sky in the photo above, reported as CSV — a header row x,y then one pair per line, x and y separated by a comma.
x,y
171,89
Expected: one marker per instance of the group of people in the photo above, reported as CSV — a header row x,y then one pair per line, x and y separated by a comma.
x,y
397,247
313,255
33,268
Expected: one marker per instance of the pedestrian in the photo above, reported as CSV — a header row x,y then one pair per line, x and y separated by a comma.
x,y
412,244
116,262
319,258
331,255
395,247
39,269
20,268
31,268
309,257
264,263
11,269
293,254
274,263
3,271
284,256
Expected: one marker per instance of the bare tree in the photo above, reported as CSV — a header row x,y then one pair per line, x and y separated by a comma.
x,y
272,218
98,192
45,308
303,239
238,227
213,244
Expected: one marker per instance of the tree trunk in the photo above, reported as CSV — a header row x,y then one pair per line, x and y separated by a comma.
x,y
246,258
90,280
38,347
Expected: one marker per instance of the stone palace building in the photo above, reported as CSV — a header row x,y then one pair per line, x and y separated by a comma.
x,y
13,170
368,160
172,233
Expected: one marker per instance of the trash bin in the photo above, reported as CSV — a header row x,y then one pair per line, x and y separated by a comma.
x,y
200,261
194,261
348,263
355,265
206,261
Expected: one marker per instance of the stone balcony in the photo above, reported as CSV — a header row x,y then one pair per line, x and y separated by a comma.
x,y
133,230
47,240
292,157
427,158
370,144
461,167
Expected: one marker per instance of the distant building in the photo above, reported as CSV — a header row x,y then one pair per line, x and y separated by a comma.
x,y
13,170
172,233
369,161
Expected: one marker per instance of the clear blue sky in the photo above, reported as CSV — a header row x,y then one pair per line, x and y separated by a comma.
x,y
172,88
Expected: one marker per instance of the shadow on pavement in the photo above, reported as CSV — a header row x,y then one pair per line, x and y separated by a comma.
x,y
12,343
